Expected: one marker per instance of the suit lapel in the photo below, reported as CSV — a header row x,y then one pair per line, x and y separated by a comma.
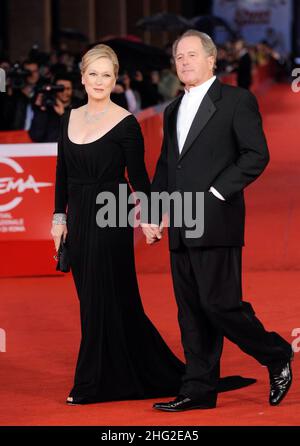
x,y
204,113
172,125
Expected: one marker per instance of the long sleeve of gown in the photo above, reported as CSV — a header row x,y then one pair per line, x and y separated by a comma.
x,y
133,144
61,184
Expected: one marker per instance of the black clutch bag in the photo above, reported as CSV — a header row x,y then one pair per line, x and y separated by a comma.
x,y
63,260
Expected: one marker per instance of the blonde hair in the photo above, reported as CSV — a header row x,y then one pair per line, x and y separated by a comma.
x,y
98,52
207,43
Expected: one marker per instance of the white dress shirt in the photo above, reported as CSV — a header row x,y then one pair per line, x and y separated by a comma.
x,y
187,110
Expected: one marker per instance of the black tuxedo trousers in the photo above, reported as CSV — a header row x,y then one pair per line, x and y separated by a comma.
x,y
208,291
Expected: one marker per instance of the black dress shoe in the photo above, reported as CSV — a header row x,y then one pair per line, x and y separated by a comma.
x,y
280,382
183,403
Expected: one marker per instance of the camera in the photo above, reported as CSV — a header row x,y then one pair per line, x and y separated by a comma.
x,y
48,92
17,76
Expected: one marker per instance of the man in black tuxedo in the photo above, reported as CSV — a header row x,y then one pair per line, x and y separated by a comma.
x,y
213,143
244,65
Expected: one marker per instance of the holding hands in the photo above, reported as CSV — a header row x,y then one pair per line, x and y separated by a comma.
x,y
152,232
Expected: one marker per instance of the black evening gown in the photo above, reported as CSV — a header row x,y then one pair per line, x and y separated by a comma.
x,y
122,355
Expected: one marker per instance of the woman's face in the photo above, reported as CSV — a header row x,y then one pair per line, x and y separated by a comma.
x,y
99,79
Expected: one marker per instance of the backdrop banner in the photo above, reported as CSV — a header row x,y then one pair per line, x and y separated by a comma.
x,y
253,20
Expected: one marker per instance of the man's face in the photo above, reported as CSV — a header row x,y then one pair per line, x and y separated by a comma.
x,y
35,73
66,95
193,65
238,45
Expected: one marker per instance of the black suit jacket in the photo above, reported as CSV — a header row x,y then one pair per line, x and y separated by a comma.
x,y
225,148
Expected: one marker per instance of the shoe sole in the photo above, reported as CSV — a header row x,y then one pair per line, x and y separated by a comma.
x,y
183,410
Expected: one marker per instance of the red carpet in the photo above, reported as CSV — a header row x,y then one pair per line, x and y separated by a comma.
x,y
41,315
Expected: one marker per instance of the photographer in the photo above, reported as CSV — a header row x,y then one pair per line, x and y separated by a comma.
x,y
22,84
51,103
5,97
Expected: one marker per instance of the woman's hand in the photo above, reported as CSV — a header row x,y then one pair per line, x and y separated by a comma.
x,y
57,231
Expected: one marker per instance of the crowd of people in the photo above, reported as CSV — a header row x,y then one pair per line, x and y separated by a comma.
x,y
41,88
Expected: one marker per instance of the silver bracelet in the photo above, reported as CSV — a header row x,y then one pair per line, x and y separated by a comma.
x,y
59,219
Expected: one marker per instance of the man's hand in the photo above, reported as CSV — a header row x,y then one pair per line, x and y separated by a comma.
x,y
118,89
152,232
59,107
39,102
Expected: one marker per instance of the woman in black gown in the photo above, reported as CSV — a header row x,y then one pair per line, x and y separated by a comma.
x,y
122,355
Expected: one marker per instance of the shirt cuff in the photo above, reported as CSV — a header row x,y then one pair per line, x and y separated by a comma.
x,y
216,193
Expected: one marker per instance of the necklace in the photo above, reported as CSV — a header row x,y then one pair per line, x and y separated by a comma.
x,y
96,116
